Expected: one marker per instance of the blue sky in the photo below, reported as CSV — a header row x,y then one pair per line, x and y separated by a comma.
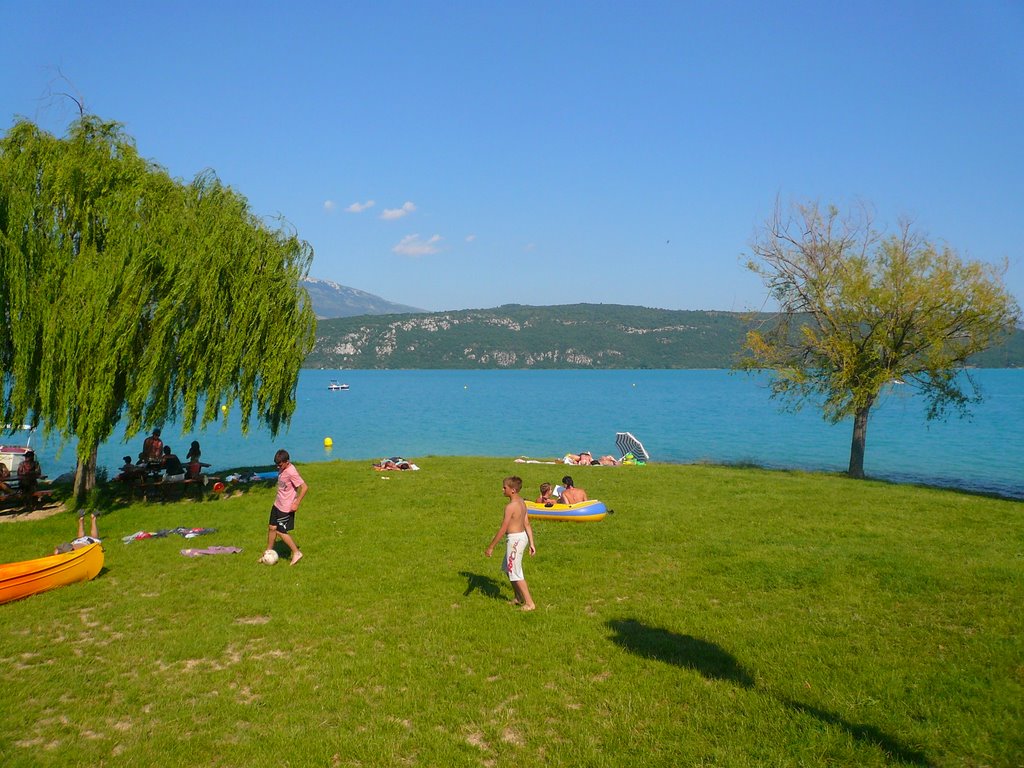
x,y
450,155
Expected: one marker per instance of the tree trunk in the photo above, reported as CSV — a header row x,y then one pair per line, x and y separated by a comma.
x,y
85,476
860,434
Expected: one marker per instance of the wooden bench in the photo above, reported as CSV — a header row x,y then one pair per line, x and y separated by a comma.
x,y
19,500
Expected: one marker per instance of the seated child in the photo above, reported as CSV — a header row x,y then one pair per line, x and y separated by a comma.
x,y
129,472
547,496
193,466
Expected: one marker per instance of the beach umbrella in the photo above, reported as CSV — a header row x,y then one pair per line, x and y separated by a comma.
x,y
626,443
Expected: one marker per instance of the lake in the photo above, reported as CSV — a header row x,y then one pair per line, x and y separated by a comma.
x,y
681,416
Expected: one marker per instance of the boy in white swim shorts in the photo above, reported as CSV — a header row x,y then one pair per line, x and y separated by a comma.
x,y
515,526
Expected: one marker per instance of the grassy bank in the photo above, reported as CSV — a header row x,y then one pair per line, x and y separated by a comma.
x,y
720,616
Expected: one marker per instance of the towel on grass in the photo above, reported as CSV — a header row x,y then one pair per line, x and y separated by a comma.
x,y
188,533
211,551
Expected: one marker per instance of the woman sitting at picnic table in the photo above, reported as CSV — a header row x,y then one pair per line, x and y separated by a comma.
x,y
193,466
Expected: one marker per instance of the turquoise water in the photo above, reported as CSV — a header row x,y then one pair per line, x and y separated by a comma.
x,y
680,416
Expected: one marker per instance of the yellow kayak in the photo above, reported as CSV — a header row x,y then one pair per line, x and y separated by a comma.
x,y
18,580
585,512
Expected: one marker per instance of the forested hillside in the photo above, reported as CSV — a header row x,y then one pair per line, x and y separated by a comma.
x,y
570,336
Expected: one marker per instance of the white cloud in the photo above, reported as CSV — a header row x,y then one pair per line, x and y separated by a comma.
x,y
359,207
329,205
413,245
470,238
390,214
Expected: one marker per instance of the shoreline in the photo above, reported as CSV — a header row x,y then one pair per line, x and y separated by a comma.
x,y
680,416
1012,495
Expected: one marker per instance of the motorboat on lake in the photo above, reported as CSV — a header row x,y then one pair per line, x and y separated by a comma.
x,y
11,456
334,386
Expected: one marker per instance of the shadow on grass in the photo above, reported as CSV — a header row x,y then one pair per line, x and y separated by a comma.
x,y
485,585
684,651
715,663
869,734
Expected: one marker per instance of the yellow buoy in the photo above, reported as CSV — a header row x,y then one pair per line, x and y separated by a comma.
x,y
328,442
224,409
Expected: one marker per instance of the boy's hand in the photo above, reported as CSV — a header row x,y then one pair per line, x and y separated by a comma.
x,y
533,550
488,551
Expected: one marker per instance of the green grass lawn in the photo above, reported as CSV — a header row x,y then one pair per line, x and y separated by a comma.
x,y
721,616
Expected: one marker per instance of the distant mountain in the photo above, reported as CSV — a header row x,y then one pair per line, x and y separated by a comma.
x,y
333,300
516,336
570,336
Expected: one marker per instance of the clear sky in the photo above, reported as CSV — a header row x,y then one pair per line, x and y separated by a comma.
x,y
453,154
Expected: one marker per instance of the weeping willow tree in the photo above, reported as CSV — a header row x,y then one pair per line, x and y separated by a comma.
x,y
131,297
859,310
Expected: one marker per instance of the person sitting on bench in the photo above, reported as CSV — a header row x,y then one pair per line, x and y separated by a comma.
x,y
130,472
29,473
152,448
173,471
193,466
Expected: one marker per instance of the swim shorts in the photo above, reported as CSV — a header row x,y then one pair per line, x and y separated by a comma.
x,y
516,545
283,521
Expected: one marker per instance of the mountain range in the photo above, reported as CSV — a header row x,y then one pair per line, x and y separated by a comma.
x,y
333,300
377,334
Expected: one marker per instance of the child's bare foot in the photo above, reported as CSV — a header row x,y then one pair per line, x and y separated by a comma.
x,y
529,607
514,601
295,558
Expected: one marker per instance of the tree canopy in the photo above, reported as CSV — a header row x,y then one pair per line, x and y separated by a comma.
x,y
131,296
860,310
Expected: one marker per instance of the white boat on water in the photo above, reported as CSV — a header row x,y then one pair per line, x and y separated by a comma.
x,y
11,455
334,385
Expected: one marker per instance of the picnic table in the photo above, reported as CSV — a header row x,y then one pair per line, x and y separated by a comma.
x,y
16,499
157,487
